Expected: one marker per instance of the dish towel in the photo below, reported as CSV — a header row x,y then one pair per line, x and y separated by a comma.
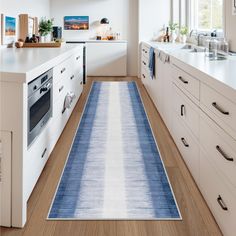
x,y
152,62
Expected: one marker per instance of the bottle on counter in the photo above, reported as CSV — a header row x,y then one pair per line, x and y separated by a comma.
x,y
167,36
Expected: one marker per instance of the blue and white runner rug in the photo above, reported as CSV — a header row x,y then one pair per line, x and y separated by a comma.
x,y
114,170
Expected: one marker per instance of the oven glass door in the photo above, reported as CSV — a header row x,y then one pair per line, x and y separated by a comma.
x,y
39,109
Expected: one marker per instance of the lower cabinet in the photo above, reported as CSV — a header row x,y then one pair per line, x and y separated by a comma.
x,y
107,58
206,144
218,196
187,145
5,178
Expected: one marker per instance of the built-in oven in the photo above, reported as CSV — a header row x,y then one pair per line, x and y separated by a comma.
x,y
40,93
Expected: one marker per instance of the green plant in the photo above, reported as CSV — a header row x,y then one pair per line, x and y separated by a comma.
x,y
173,26
45,26
183,30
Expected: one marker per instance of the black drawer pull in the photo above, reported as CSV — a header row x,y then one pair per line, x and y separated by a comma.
x,y
217,107
61,88
218,148
182,80
77,58
184,142
44,152
144,63
72,77
63,70
144,76
182,110
221,203
81,82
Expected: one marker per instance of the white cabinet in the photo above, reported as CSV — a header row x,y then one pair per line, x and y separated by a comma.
x,y
21,165
220,199
5,178
107,58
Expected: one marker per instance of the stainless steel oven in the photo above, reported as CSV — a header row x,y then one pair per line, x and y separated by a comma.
x,y
39,104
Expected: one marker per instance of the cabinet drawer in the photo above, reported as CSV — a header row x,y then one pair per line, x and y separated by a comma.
x,y
62,70
187,111
145,51
145,63
37,156
187,145
77,62
223,109
186,82
221,148
220,199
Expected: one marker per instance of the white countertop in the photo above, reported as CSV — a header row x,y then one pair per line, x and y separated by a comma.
x,y
215,73
96,41
24,64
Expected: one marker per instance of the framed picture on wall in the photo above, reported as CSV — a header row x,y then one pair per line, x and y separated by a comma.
x,y
8,29
76,22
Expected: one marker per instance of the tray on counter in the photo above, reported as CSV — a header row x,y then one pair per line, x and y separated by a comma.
x,y
43,45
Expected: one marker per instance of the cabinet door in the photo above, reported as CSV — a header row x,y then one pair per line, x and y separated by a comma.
x,y
5,179
107,59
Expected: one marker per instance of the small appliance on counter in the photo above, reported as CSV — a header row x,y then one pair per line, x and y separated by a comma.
x,y
57,32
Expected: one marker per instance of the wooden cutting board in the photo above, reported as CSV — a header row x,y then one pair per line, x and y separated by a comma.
x,y
42,45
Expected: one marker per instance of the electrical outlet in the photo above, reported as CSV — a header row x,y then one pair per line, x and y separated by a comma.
x,y
234,7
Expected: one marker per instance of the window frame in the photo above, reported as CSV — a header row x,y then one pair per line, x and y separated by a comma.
x,y
191,19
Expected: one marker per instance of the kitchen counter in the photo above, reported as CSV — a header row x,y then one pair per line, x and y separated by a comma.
x,y
95,41
218,74
24,64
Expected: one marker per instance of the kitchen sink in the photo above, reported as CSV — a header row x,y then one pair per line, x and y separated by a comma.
x,y
193,48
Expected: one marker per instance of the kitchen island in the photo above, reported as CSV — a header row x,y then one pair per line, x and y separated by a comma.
x,y
59,75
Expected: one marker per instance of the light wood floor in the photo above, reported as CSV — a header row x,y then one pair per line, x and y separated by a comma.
x,y
197,219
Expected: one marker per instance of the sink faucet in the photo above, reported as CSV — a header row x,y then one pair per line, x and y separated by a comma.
x,y
199,37
191,32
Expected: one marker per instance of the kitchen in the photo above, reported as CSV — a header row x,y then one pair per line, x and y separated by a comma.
x,y
124,124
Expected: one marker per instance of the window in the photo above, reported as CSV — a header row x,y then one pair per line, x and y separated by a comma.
x,y
206,14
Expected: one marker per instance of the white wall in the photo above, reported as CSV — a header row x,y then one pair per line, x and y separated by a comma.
x,y
121,13
153,14
34,8
37,8
230,23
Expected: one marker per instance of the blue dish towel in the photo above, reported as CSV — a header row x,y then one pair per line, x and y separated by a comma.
x,y
152,62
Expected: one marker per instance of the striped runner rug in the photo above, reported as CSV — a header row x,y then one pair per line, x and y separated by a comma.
x,y
114,170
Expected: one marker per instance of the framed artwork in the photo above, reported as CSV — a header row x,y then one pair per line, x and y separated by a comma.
x,y
76,23
8,29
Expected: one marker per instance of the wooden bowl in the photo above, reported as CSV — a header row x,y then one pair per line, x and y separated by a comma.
x,y
19,44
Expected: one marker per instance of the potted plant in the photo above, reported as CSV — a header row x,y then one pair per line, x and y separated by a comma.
x,y
173,27
45,29
183,34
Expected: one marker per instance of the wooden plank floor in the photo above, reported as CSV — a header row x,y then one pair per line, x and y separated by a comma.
x,y
197,219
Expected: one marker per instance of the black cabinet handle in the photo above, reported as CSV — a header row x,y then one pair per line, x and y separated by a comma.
x,y
144,76
44,152
184,142
61,88
217,107
72,77
144,63
77,58
182,80
63,70
81,82
182,110
218,148
221,203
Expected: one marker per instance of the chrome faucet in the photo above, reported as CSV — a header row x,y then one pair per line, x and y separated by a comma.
x,y
199,37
